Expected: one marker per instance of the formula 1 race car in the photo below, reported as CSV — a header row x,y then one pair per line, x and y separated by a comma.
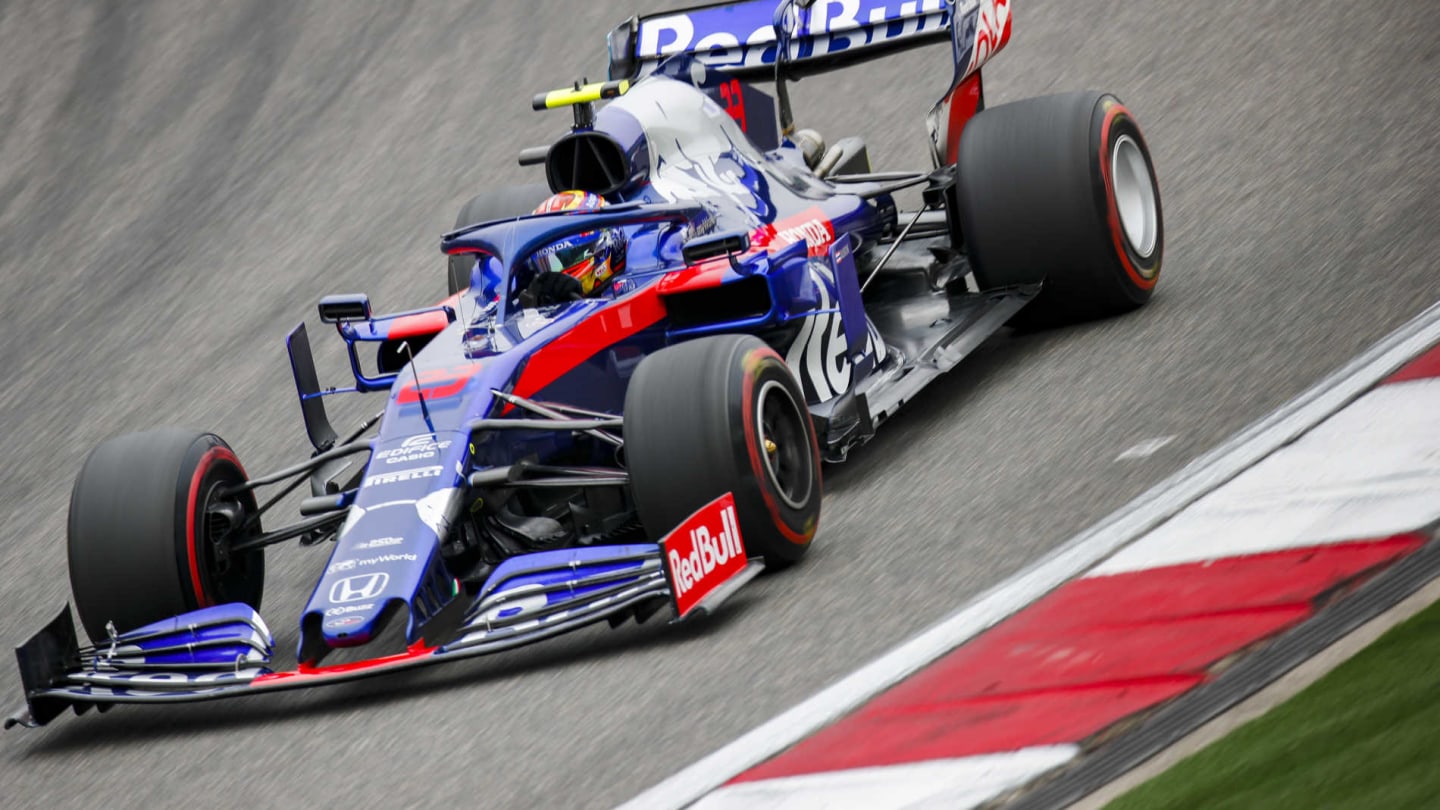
x,y
644,434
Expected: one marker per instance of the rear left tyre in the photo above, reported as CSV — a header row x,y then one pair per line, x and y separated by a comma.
x,y
724,414
146,516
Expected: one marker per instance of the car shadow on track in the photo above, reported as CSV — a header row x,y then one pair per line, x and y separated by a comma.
x,y
132,724
945,398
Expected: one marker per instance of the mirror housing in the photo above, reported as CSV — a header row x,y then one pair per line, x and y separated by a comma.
x,y
345,307
716,244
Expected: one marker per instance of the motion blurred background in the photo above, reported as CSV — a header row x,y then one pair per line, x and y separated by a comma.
x,y
181,181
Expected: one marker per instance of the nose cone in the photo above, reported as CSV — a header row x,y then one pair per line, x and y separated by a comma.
x,y
355,604
386,560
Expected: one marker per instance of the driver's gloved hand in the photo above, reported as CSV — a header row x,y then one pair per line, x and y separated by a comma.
x,y
552,288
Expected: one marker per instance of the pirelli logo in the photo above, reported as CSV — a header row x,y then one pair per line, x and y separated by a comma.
x,y
403,475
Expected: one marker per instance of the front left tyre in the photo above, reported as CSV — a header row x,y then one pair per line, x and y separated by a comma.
x,y
150,529
724,414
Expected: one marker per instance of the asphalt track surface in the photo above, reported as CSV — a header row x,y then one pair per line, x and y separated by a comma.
x,y
180,182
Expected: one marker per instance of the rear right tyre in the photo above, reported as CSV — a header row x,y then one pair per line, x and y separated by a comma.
x,y
1061,190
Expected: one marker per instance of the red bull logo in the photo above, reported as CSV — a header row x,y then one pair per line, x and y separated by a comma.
x,y
703,552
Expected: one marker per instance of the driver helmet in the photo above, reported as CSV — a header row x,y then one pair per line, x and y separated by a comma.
x,y
593,257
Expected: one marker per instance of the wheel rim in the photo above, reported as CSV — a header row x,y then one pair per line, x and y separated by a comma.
x,y
784,445
1134,196
224,574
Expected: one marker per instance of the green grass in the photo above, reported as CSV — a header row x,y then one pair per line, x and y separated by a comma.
x,y
1366,735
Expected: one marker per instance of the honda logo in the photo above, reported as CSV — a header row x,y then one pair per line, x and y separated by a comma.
x,y
353,589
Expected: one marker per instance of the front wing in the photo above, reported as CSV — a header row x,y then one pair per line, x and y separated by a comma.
x,y
225,651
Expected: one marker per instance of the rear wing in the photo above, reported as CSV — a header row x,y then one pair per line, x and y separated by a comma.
x,y
740,37
745,39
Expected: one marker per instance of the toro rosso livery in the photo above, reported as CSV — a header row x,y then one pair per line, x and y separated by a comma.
x,y
622,408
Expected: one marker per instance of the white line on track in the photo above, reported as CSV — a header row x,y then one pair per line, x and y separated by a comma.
x,y
959,782
1144,449
1049,572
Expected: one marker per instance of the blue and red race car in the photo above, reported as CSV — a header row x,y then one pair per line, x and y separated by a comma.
x,y
622,408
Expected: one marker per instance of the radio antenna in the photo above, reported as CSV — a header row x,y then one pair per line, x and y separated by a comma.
x,y
419,389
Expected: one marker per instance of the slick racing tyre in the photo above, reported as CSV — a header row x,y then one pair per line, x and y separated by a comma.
x,y
145,517
1061,190
502,203
724,414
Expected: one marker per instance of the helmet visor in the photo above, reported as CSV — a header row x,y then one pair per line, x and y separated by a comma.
x,y
564,256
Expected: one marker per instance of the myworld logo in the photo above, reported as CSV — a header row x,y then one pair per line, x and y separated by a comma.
x,y
387,558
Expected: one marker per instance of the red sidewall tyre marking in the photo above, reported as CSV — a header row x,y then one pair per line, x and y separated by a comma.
x,y
1113,111
752,367
192,550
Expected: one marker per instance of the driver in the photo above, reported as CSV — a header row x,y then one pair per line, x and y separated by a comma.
x,y
578,265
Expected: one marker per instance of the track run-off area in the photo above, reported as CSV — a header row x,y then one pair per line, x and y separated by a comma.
x,y
181,182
